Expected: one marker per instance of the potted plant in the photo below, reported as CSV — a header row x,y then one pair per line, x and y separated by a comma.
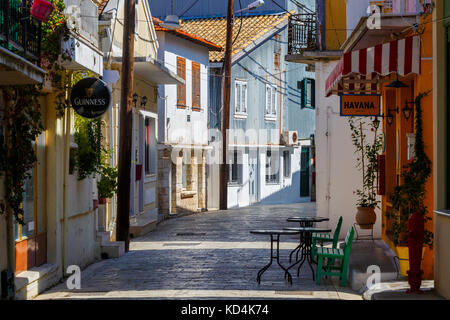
x,y
367,163
107,185
410,213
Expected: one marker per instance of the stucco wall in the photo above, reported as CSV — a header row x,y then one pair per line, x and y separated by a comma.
x,y
336,175
178,129
442,254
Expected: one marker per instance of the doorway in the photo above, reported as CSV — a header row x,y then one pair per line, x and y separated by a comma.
x,y
304,172
252,178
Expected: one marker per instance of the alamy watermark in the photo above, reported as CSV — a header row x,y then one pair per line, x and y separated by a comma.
x,y
74,281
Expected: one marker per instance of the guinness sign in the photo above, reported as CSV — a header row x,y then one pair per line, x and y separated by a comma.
x,y
90,98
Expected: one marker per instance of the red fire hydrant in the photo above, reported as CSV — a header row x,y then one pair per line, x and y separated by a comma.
x,y
416,231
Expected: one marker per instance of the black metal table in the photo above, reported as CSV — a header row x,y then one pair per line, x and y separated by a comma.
x,y
274,237
306,246
307,221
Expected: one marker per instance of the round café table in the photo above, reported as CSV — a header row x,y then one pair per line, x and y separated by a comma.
x,y
306,246
274,238
306,221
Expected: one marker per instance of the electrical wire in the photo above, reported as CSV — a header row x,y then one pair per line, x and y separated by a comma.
x,y
240,26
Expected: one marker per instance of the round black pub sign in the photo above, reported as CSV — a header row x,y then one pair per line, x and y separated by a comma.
x,y
90,98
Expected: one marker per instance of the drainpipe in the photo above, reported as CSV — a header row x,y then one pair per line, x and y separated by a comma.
x,y
329,109
67,118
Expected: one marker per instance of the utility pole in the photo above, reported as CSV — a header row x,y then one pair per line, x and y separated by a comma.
x,y
226,108
126,125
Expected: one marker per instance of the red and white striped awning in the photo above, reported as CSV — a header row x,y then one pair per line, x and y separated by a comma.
x,y
361,67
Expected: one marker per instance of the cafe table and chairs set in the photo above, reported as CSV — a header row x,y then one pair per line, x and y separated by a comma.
x,y
310,248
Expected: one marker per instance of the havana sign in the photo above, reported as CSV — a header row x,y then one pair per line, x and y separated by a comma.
x,y
360,105
90,98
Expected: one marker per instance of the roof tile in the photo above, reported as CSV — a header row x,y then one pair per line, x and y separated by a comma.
x,y
214,30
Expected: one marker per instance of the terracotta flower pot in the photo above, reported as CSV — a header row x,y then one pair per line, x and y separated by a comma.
x,y
102,200
366,217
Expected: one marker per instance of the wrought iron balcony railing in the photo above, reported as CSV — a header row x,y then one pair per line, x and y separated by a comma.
x,y
302,34
19,31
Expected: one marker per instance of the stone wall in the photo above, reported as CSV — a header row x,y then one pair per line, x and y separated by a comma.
x,y
173,198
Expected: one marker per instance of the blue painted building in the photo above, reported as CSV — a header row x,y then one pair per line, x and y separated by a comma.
x,y
272,111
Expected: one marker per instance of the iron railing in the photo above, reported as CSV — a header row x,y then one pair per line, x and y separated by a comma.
x,y
19,31
302,34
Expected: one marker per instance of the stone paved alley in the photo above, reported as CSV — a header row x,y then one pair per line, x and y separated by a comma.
x,y
205,255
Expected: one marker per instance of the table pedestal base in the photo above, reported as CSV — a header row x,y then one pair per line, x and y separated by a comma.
x,y
274,257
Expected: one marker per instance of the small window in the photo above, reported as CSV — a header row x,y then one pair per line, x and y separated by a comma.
x,y
287,164
181,88
271,102
272,167
308,93
235,166
196,86
240,97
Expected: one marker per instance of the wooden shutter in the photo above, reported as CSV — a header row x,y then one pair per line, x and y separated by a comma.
x,y
181,88
196,86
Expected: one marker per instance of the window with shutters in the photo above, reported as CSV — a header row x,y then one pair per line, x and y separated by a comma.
x,y
271,103
240,98
181,88
196,86
308,96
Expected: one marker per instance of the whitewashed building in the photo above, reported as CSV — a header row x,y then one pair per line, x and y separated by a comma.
x,y
183,121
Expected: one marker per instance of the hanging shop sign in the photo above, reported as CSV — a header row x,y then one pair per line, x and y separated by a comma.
x,y
90,97
360,105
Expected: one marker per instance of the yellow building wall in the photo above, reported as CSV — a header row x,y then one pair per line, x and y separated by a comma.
x,y
335,24
421,83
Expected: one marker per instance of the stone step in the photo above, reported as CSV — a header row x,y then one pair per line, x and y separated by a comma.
x,y
371,253
114,249
104,236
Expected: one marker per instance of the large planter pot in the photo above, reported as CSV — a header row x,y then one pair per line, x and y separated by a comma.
x,y
102,200
366,217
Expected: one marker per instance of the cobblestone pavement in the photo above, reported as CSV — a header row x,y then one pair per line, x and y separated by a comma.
x,y
208,255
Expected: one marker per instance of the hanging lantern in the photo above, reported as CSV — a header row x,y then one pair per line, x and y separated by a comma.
x,y
42,9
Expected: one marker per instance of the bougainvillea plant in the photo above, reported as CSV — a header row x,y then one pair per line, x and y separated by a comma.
x,y
21,118
21,124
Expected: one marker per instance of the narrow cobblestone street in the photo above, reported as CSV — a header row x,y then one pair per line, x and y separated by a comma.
x,y
205,255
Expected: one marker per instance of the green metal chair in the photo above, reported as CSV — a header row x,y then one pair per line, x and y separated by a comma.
x,y
321,238
335,254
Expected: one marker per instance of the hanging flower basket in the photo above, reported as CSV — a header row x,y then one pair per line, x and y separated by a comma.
x,y
42,9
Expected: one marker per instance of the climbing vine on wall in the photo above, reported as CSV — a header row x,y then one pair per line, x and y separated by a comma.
x,y
408,197
21,118
21,124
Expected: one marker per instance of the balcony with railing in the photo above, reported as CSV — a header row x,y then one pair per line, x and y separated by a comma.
x,y
302,34
20,44
20,33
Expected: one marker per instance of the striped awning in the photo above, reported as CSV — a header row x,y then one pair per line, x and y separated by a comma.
x,y
358,70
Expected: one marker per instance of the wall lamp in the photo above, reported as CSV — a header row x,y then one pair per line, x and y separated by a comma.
x,y
143,101
376,123
407,110
135,99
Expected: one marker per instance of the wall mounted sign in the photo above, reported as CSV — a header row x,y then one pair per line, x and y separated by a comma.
x,y
360,105
90,97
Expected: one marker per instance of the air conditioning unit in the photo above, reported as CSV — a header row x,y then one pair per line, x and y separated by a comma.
x,y
290,138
